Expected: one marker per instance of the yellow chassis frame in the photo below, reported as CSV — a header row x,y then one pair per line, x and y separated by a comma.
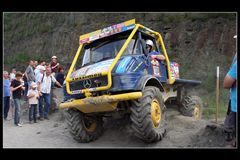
x,y
101,103
108,73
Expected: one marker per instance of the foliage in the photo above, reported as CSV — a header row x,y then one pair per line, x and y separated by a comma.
x,y
210,99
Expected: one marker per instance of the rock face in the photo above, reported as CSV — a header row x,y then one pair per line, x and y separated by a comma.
x,y
197,41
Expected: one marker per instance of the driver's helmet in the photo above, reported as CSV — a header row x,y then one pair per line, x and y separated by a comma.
x,y
149,42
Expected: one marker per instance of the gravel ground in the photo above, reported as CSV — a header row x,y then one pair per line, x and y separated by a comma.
x,y
182,132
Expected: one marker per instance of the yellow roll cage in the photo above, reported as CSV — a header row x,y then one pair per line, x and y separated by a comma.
x,y
159,41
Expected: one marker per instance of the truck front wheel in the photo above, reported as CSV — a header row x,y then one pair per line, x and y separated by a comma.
x,y
84,128
148,115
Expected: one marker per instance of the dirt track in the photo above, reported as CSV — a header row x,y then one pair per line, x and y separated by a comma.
x,y
182,132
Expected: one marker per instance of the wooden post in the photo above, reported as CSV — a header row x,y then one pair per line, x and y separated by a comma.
x,y
217,94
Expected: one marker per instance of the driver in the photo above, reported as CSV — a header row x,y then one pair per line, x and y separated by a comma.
x,y
149,47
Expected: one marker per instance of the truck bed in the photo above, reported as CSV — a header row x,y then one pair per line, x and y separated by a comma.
x,y
185,83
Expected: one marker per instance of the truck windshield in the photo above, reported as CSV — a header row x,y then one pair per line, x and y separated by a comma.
x,y
107,48
101,51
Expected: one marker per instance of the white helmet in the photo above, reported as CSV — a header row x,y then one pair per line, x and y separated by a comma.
x,y
54,57
149,42
235,36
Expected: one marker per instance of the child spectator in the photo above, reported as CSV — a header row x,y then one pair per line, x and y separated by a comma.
x,y
33,102
13,74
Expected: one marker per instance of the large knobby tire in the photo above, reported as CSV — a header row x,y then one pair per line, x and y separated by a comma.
x,y
148,115
84,128
191,106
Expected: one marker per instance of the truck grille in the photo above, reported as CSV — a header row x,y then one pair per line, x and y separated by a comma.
x,y
88,83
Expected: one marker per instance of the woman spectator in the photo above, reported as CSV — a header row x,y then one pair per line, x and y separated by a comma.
x,y
6,93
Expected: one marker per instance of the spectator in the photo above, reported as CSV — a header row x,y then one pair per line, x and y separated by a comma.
x,y
33,97
35,64
12,77
44,88
16,88
6,93
60,76
48,65
55,91
37,70
25,85
230,82
38,78
13,74
29,73
40,74
54,65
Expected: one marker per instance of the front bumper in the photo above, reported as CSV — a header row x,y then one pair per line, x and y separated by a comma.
x,y
101,103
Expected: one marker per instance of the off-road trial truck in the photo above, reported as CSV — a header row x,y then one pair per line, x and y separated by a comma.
x,y
112,73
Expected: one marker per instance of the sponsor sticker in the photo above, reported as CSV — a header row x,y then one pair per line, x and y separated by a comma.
x,y
107,31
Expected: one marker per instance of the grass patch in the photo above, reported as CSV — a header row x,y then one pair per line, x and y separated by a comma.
x,y
210,111
17,58
209,82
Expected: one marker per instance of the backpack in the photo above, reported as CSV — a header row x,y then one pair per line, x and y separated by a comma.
x,y
52,84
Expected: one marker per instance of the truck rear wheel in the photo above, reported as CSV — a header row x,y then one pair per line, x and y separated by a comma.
x,y
148,115
84,128
191,106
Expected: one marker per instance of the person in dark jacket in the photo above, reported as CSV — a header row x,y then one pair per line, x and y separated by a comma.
x,y
60,76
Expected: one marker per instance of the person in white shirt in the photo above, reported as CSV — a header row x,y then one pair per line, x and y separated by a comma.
x,y
44,89
38,78
40,74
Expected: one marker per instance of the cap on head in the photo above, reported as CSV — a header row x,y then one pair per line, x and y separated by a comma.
x,y
149,42
235,36
33,85
54,57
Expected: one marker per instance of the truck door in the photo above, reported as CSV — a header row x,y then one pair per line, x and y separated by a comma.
x,y
157,66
